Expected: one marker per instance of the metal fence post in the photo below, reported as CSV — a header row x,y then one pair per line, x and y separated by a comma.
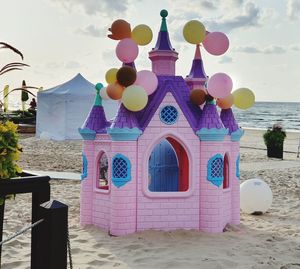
x,y
52,235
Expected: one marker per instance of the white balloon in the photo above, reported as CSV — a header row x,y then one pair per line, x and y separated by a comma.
x,y
103,94
256,196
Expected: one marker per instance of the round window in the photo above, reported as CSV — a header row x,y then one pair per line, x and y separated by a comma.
x,y
169,115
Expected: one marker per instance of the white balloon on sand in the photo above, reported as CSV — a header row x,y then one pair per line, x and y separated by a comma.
x,y
256,196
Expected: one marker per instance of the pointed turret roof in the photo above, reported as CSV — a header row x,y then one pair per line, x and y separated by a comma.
x,y
163,40
197,70
210,118
96,120
125,119
228,120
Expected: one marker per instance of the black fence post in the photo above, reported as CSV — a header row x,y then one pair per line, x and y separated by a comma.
x,y
52,235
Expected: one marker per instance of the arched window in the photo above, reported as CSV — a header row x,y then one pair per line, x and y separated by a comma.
x,y
215,170
84,167
121,170
102,182
168,167
237,167
226,172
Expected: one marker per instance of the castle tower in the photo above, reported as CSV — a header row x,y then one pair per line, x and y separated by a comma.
x,y
163,56
96,122
197,77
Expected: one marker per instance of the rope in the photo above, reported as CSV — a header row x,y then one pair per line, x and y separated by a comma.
x,y
23,230
69,249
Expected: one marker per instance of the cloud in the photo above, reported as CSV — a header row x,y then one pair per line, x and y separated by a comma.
x,y
295,47
208,4
267,50
293,9
250,17
72,65
92,30
93,7
226,60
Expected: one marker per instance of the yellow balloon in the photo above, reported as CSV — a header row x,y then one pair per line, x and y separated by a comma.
x,y
142,34
194,32
243,98
111,75
134,98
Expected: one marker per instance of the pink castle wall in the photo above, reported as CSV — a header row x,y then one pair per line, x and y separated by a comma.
x,y
132,207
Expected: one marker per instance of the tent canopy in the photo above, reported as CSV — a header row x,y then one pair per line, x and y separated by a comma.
x,y
64,108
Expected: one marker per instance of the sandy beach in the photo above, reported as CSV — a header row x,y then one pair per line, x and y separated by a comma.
x,y
271,240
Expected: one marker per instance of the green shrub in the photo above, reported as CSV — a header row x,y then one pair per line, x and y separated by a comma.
x,y
9,151
274,136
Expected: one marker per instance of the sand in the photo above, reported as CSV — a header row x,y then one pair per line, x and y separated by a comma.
x,y
271,240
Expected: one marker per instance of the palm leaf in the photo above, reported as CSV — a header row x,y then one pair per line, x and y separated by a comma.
x,y
7,46
10,69
14,64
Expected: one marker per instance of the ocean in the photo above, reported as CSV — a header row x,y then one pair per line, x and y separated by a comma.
x,y
261,116
264,114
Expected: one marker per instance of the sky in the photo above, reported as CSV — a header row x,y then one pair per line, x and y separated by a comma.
x,y
60,38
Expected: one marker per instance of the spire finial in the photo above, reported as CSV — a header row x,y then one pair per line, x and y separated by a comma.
x,y
197,52
98,99
163,14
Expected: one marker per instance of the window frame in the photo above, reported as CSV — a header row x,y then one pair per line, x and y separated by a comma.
x,y
119,182
96,188
217,181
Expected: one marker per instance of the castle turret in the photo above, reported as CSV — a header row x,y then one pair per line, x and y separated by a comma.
x,y
197,77
96,122
163,56
229,122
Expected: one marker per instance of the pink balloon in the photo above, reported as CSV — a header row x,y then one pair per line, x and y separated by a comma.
x,y
148,80
219,85
127,50
216,43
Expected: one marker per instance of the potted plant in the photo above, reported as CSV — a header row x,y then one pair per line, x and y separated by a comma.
x,y
274,138
9,152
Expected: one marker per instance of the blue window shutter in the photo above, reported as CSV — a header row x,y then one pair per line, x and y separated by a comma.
x,y
237,167
215,169
121,170
84,167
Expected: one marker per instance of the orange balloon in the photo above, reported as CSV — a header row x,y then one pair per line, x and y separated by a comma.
x,y
115,91
226,102
120,29
197,97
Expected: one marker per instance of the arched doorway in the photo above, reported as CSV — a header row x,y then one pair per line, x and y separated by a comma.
x,y
168,167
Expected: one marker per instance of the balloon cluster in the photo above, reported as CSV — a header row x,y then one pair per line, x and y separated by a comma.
x,y
125,84
219,85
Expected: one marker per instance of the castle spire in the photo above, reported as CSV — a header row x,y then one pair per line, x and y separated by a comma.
x,y
197,76
163,56
96,122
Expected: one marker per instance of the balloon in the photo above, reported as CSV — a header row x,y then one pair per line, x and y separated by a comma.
x,y
135,98
115,91
226,102
194,32
103,94
256,196
99,86
216,43
120,29
111,75
127,50
243,98
142,34
148,80
126,76
219,85
198,97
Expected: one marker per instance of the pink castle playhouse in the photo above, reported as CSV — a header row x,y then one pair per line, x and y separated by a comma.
x,y
169,166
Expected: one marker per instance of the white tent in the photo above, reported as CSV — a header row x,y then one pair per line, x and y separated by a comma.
x,y
64,108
